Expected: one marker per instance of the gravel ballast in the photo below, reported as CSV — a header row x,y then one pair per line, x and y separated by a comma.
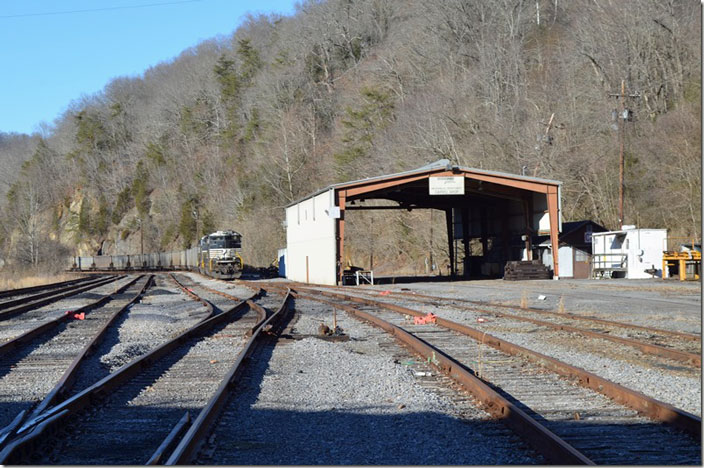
x,y
316,402
670,384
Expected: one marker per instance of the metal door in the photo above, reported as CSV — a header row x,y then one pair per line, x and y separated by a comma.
x,y
582,264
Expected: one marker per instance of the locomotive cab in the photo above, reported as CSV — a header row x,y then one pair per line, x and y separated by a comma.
x,y
223,258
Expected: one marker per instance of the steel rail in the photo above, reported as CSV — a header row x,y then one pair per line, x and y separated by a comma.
x,y
171,439
69,376
9,313
41,287
35,429
686,357
643,404
29,335
220,293
201,426
23,300
682,335
209,305
547,443
21,446
653,349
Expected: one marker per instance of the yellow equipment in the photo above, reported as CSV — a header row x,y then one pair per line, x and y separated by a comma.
x,y
688,258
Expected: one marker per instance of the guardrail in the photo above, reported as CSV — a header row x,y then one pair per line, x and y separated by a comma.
x,y
608,263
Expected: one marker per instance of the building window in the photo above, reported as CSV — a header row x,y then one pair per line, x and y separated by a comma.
x,y
580,256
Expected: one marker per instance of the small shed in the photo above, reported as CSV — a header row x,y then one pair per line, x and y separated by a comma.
x,y
575,248
484,207
628,253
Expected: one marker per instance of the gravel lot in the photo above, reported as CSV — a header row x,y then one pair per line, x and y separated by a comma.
x,y
670,305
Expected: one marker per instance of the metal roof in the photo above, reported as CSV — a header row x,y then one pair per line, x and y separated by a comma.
x,y
442,164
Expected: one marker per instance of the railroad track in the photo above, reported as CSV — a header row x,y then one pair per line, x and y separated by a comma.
x,y
664,349
38,368
567,423
14,307
210,418
148,396
32,318
280,414
687,342
16,293
208,296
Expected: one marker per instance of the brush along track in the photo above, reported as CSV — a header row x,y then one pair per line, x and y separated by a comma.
x,y
29,369
604,431
31,290
20,306
146,398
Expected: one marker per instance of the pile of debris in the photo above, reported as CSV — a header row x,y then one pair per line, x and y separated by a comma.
x,y
526,270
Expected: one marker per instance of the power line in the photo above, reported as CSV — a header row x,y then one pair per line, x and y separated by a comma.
x,y
90,10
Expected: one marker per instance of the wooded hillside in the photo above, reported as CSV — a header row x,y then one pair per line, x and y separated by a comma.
x,y
232,130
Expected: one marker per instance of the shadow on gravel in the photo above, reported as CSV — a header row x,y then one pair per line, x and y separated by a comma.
x,y
250,436
10,409
13,358
162,292
246,435
89,295
116,432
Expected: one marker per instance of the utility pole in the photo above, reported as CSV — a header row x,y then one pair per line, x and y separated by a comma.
x,y
622,116
196,217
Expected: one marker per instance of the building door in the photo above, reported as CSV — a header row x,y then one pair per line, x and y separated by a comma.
x,y
582,264
565,258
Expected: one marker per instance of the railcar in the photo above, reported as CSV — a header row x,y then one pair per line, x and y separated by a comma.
x,y
219,255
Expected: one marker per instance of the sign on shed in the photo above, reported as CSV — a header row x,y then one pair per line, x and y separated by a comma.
x,y
446,185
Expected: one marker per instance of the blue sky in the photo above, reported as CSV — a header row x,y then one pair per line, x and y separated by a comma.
x,y
52,52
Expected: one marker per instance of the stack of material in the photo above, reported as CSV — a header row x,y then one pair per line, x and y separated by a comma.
x,y
515,271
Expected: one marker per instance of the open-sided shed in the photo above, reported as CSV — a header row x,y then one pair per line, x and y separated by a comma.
x,y
499,210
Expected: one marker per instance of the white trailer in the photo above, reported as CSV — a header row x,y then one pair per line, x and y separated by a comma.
x,y
628,253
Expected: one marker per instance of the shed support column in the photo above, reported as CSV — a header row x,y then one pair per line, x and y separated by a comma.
x,y
465,242
528,211
505,238
450,240
553,212
484,223
341,199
